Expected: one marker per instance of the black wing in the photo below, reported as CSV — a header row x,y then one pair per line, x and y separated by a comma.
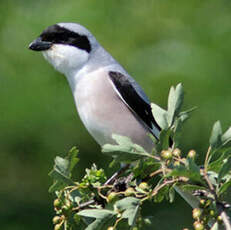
x,y
132,94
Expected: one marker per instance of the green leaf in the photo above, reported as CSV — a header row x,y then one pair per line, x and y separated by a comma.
x,y
162,193
215,138
61,172
171,194
72,158
130,207
192,171
191,188
221,155
213,177
224,187
102,216
160,116
226,137
164,139
225,169
125,150
175,101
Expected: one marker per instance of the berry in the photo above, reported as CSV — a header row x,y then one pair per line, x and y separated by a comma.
x,y
110,228
56,220
219,219
57,203
143,186
211,212
166,154
176,152
57,227
112,197
176,163
129,191
202,203
198,225
196,213
191,154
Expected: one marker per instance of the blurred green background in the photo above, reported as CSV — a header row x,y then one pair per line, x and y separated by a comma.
x,y
159,42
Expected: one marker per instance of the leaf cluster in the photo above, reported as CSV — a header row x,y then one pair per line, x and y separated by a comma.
x,y
98,203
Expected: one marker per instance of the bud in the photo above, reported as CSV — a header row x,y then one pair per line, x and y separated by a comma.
x,y
110,228
129,191
143,186
56,220
198,225
166,154
176,163
176,152
191,154
219,219
202,203
57,203
57,227
211,212
196,213
112,197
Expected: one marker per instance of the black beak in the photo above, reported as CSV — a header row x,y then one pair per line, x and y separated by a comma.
x,y
39,45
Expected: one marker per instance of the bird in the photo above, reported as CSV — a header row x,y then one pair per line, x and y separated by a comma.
x,y
108,100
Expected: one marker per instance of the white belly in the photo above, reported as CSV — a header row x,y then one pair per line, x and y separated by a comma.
x,y
104,113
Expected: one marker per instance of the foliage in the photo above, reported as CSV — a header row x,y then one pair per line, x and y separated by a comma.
x,y
96,202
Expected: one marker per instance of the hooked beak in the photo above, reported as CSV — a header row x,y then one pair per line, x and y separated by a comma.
x,y
39,45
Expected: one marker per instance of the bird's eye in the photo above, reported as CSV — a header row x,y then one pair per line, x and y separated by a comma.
x,y
58,37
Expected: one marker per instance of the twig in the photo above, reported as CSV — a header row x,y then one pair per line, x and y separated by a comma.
x,y
206,159
157,189
83,205
116,174
156,172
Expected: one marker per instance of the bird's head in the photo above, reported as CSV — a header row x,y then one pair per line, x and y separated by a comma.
x,y
67,46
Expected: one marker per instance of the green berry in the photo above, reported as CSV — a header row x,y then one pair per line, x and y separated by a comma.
x,y
166,154
57,203
143,186
198,225
129,191
176,163
66,210
219,219
176,152
211,212
196,213
56,220
112,197
57,227
191,154
202,203
110,228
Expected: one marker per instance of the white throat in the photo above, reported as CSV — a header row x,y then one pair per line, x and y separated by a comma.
x,y
66,59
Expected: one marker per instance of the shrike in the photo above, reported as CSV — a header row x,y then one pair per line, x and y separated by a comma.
x,y
109,101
